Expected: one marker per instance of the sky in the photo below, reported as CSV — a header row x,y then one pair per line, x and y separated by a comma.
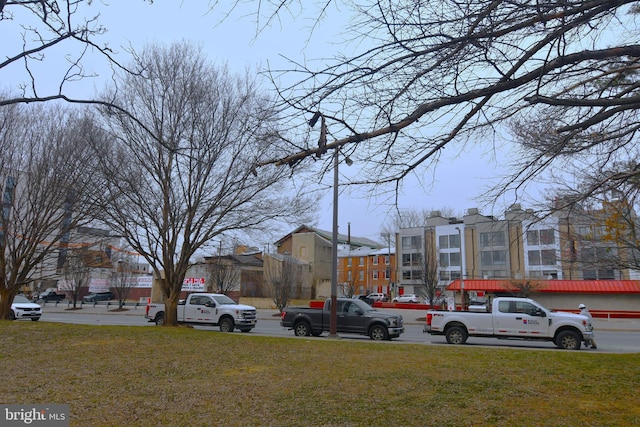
x,y
463,176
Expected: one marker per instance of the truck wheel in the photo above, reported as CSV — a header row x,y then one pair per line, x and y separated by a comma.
x,y
568,340
159,320
226,324
35,319
378,333
12,315
456,335
302,329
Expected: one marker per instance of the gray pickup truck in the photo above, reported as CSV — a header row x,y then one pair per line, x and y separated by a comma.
x,y
353,316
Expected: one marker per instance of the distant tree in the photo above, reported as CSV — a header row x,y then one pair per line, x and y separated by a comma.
x,y
44,166
429,273
77,275
180,169
223,276
411,218
123,267
524,288
284,276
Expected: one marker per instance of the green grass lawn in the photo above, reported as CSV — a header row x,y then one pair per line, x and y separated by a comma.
x,y
135,376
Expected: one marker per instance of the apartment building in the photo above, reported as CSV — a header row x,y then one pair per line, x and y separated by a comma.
x,y
569,245
365,270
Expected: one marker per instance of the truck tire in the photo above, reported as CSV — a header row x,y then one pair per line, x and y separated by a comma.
x,y
35,319
12,315
160,319
378,333
302,329
568,340
226,324
456,335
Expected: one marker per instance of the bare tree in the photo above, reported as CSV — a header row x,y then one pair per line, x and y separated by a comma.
x,y
39,29
224,276
184,170
43,171
429,272
283,275
123,267
524,288
428,74
77,275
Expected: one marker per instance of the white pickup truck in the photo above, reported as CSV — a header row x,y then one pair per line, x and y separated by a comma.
x,y
511,318
208,309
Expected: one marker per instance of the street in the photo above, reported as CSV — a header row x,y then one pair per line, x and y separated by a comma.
x,y
612,337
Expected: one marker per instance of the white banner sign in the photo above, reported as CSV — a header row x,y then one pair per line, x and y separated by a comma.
x,y
193,284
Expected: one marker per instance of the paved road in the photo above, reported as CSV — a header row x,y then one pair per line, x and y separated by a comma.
x,y
613,336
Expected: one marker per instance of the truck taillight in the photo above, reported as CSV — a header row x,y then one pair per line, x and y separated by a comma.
x,y
148,306
284,313
429,318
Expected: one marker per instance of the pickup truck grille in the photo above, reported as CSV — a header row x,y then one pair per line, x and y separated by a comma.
x,y
248,314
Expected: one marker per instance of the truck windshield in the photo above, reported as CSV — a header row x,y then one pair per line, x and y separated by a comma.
x,y
223,299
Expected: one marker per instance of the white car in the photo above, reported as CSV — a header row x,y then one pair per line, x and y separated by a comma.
x,y
377,297
412,298
22,308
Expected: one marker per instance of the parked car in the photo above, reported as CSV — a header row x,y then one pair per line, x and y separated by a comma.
x,y
98,296
377,297
412,298
22,308
364,298
51,295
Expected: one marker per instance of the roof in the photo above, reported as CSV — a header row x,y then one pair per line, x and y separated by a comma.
x,y
328,235
557,286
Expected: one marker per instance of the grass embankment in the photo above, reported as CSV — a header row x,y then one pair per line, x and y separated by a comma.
x,y
117,376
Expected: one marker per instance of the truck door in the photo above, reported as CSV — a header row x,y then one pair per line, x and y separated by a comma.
x,y
199,308
521,319
351,318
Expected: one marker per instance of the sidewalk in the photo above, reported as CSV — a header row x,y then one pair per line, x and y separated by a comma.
x,y
411,317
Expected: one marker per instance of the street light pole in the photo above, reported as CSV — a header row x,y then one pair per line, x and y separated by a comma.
x,y
389,258
333,317
461,270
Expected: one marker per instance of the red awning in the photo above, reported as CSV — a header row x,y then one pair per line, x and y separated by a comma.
x,y
563,286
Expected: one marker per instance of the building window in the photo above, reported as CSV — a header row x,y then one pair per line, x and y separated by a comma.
x,y
361,261
409,260
449,259
495,238
410,274
411,242
361,275
374,260
540,237
493,258
349,262
349,277
543,257
386,260
450,241
547,237
375,274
